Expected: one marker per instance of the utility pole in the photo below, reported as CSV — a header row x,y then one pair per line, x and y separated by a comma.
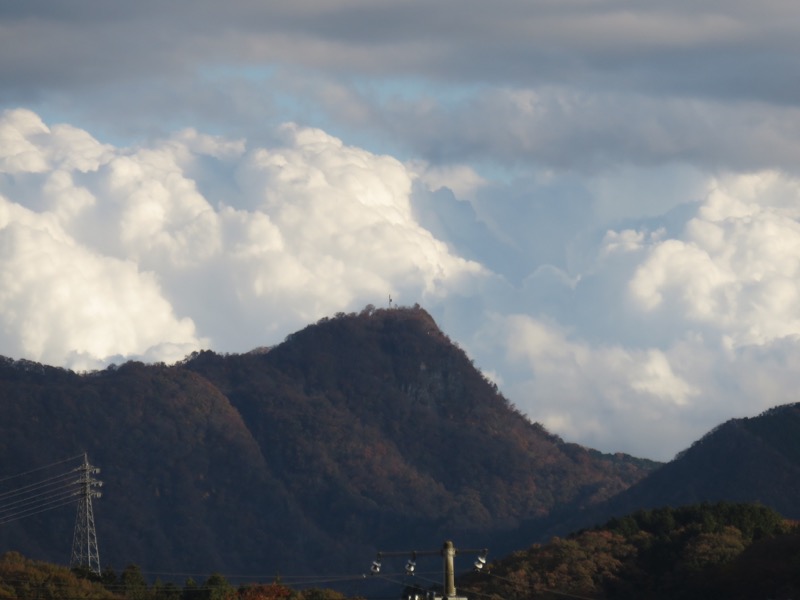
x,y
448,553
84,540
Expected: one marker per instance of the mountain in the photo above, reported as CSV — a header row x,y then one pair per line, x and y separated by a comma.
x,y
361,432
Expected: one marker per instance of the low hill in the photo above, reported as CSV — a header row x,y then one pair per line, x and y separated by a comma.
x,y
720,550
363,431
21,578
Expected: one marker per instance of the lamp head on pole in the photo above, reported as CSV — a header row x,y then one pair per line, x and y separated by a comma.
x,y
411,565
376,565
481,562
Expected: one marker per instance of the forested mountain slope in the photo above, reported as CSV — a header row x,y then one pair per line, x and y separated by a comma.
x,y
392,421
359,432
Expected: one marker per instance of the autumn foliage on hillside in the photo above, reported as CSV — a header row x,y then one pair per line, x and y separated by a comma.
x,y
698,552
25,579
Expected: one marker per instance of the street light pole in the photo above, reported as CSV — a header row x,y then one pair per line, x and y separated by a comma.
x,y
449,553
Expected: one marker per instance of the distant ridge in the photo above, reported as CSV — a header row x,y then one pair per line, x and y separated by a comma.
x,y
754,459
747,460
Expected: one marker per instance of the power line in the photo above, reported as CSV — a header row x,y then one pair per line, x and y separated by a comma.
x,y
21,508
39,496
41,468
50,481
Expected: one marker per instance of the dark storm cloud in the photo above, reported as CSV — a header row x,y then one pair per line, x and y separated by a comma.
x,y
728,49
569,84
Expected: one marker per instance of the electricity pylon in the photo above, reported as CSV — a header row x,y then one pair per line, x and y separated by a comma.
x,y
84,541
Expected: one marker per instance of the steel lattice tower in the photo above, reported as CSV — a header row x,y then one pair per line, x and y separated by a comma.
x,y
84,541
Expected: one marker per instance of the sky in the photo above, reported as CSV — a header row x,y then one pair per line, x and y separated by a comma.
x,y
598,200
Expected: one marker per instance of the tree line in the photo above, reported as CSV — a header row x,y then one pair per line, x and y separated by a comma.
x,y
24,579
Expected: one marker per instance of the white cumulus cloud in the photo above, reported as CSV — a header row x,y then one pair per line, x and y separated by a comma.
x,y
194,240
62,304
737,266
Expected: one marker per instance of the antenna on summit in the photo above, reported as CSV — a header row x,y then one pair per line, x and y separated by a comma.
x,y
390,301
